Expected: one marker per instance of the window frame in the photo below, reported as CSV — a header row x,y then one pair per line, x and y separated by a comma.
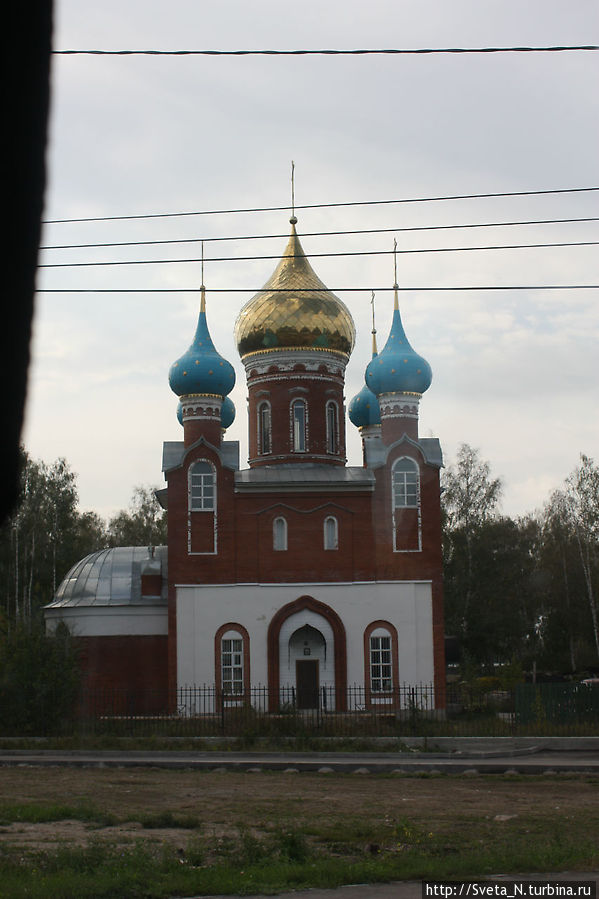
x,y
232,631
408,491
209,471
332,428
382,692
264,411
299,431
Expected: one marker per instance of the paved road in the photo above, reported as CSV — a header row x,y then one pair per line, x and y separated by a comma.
x,y
517,761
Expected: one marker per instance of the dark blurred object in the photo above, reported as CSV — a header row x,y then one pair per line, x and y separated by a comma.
x,y
452,650
26,61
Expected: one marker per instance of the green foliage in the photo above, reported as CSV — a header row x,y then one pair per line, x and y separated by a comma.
x,y
39,678
43,538
143,524
522,589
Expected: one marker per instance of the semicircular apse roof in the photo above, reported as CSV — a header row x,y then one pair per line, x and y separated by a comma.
x,y
112,577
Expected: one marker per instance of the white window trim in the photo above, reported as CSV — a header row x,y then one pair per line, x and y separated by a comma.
x,y
331,404
190,510
262,405
294,401
378,634
236,665
417,506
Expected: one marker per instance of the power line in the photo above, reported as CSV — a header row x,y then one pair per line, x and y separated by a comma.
x,y
330,52
404,289
514,193
582,243
174,240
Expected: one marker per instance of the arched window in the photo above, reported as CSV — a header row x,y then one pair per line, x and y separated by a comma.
x,y
298,425
332,427
231,664
331,533
405,484
232,660
264,428
381,661
202,487
279,534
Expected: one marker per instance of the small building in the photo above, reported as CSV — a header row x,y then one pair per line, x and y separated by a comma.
x,y
298,573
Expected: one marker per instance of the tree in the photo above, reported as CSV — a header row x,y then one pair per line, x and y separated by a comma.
x,y
142,524
45,535
469,500
571,556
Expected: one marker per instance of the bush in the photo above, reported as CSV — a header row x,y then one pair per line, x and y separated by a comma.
x,y
39,679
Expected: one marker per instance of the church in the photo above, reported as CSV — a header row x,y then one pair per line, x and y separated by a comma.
x,y
314,580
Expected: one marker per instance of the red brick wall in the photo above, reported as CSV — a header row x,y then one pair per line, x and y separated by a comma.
x,y
316,389
131,672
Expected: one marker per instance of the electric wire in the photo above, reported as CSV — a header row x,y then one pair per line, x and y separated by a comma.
x,y
582,243
514,193
175,240
328,52
369,290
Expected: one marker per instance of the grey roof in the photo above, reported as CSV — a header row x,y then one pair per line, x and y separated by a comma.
x,y
174,452
112,577
432,450
298,478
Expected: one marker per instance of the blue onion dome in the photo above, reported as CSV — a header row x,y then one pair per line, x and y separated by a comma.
x,y
364,409
202,369
227,413
294,310
398,368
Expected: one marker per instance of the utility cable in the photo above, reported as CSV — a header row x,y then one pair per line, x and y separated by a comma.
x,y
582,243
365,52
174,240
310,290
513,193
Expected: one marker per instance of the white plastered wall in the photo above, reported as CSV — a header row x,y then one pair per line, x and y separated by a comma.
x,y
110,621
201,610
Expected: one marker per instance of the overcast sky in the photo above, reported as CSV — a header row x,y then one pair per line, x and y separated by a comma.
x,y
515,373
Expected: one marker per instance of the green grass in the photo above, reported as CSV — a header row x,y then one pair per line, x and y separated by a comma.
x,y
291,858
45,812
103,870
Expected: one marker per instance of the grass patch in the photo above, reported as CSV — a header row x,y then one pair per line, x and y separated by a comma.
x,y
45,812
278,861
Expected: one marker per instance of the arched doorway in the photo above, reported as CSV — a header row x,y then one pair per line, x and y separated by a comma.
x,y
307,660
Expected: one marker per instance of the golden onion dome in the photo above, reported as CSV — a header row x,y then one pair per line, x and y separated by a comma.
x,y
294,310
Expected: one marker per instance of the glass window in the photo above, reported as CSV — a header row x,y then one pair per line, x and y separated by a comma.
x,y
405,484
332,428
264,428
202,487
279,534
298,416
232,665
331,533
381,678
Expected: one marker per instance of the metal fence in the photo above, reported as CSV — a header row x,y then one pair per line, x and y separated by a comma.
x,y
411,710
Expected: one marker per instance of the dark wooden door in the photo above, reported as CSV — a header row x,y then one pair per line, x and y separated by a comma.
x,y
306,683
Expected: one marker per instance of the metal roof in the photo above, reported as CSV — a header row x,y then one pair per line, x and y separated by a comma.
x,y
299,478
112,577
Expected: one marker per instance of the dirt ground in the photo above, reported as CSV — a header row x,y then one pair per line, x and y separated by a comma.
x,y
260,801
